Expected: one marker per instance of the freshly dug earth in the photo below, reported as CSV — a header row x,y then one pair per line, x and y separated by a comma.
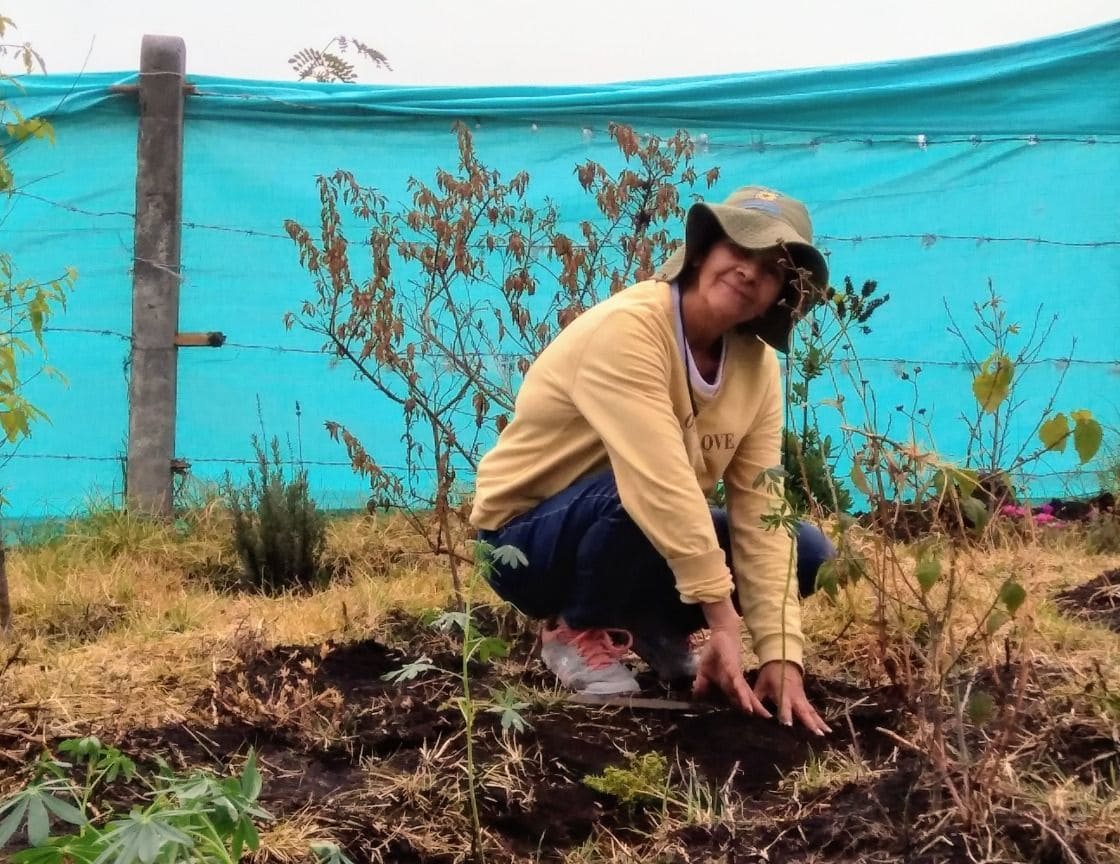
x,y
380,766
1097,600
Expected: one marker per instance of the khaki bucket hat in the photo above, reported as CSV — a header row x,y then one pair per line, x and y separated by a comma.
x,y
758,218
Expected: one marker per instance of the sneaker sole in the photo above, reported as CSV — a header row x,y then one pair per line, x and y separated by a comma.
x,y
604,688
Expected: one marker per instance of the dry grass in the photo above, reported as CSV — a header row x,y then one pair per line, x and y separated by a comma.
x,y
119,605
119,626
842,634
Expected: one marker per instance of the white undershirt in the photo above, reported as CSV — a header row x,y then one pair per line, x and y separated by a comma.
x,y
700,386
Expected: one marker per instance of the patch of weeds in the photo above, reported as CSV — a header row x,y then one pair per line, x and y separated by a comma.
x,y
83,623
1102,536
827,770
198,817
109,531
278,532
641,781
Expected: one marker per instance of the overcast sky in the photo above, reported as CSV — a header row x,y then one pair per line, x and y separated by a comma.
x,y
504,42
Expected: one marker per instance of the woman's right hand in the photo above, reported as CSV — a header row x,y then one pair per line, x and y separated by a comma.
x,y
721,665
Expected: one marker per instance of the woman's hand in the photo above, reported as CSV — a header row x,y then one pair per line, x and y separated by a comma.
x,y
721,664
783,680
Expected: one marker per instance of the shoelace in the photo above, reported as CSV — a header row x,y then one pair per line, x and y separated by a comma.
x,y
598,648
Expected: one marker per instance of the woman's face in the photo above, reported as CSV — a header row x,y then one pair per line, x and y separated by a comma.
x,y
739,285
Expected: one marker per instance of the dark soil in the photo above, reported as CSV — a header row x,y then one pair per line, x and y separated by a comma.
x,y
380,764
1097,600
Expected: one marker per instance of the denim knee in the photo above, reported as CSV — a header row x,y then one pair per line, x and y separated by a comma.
x,y
813,549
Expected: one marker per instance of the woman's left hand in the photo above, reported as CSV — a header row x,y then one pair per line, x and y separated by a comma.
x,y
783,680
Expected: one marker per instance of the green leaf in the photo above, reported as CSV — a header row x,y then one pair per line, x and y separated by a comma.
x,y
252,838
447,620
488,648
14,423
1012,595
828,579
967,480
251,778
237,842
38,821
1087,435
976,512
64,810
996,619
410,671
12,821
1054,433
981,707
82,748
49,854
993,383
510,556
859,479
927,573
326,852
149,844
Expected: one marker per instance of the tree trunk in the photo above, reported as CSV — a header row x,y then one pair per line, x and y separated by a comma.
x,y
5,598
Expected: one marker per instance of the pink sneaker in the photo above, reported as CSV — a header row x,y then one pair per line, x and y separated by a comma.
x,y
589,661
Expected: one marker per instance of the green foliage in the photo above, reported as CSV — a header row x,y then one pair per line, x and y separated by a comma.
x,y
811,480
1012,595
828,328
928,572
847,568
992,384
198,818
1102,537
508,705
475,646
644,779
410,671
326,852
329,64
981,708
1086,432
278,532
26,306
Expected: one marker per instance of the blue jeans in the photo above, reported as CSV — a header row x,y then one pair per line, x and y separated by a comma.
x,y
589,563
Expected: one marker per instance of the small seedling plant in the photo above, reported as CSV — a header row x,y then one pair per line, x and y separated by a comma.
x,y
197,818
475,646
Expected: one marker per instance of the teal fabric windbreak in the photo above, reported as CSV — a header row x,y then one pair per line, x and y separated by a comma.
x,y
930,176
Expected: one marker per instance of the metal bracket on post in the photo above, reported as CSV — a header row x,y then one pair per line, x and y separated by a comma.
x,y
155,275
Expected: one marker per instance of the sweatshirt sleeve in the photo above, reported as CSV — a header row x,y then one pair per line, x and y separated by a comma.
x,y
621,387
762,557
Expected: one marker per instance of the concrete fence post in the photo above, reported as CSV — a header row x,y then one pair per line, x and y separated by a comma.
x,y
155,276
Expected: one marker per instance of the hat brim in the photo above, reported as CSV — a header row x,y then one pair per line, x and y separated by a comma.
x,y
756,230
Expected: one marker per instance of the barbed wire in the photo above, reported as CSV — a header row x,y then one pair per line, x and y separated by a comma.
x,y
513,355
931,239
926,238
401,469
210,460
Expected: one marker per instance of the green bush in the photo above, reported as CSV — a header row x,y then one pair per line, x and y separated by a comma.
x,y
810,479
278,533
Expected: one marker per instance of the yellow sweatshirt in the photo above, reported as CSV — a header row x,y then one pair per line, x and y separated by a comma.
x,y
611,390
